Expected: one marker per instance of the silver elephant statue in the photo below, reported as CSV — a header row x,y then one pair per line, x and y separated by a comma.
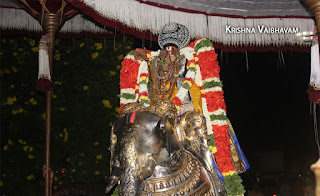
x,y
152,154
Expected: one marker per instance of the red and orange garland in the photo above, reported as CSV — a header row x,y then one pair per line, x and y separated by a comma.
x,y
204,70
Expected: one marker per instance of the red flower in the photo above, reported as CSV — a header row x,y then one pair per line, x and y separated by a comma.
x,y
208,64
215,101
223,154
129,73
176,101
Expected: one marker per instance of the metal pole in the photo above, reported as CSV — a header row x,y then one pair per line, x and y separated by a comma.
x,y
51,24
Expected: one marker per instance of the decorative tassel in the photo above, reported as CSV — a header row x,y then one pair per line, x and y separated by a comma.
x,y
314,90
44,78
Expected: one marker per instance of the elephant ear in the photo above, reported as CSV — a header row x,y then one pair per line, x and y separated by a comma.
x,y
192,134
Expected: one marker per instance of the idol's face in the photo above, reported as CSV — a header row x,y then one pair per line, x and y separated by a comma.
x,y
171,51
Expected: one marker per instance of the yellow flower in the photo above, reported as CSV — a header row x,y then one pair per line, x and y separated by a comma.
x,y
230,173
128,47
95,55
14,69
118,67
61,134
112,73
144,97
6,71
99,156
11,100
192,65
57,57
111,124
73,170
148,55
95,143
10,142
24,142
58,83
54,96
81,45
66,63
96,173
30,156
30,148
11,86
20,141
14,112
120,56
196,59
106,103
25,148
20,110
117,109
15,54
213,149
65,137
5,147
68,159
34,102
35,49
20,49
30,177
55,178
43,116
61,109
85,87
98,46
32,42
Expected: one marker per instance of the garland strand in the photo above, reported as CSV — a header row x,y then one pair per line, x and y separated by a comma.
x,y
204,70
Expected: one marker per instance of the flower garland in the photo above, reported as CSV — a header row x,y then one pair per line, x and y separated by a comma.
x,y
204,70
207,77
128,80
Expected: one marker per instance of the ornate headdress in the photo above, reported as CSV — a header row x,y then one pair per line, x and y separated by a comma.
x,y
174,34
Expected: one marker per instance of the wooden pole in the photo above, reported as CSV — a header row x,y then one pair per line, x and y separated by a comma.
x,y
51,25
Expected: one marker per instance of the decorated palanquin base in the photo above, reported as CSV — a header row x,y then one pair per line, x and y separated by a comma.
x,y
203,81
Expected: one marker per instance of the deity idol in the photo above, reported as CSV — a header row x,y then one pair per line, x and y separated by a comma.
x,y
172,136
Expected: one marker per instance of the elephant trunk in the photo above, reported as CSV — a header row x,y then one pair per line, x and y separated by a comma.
x,y
114,177
130,182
